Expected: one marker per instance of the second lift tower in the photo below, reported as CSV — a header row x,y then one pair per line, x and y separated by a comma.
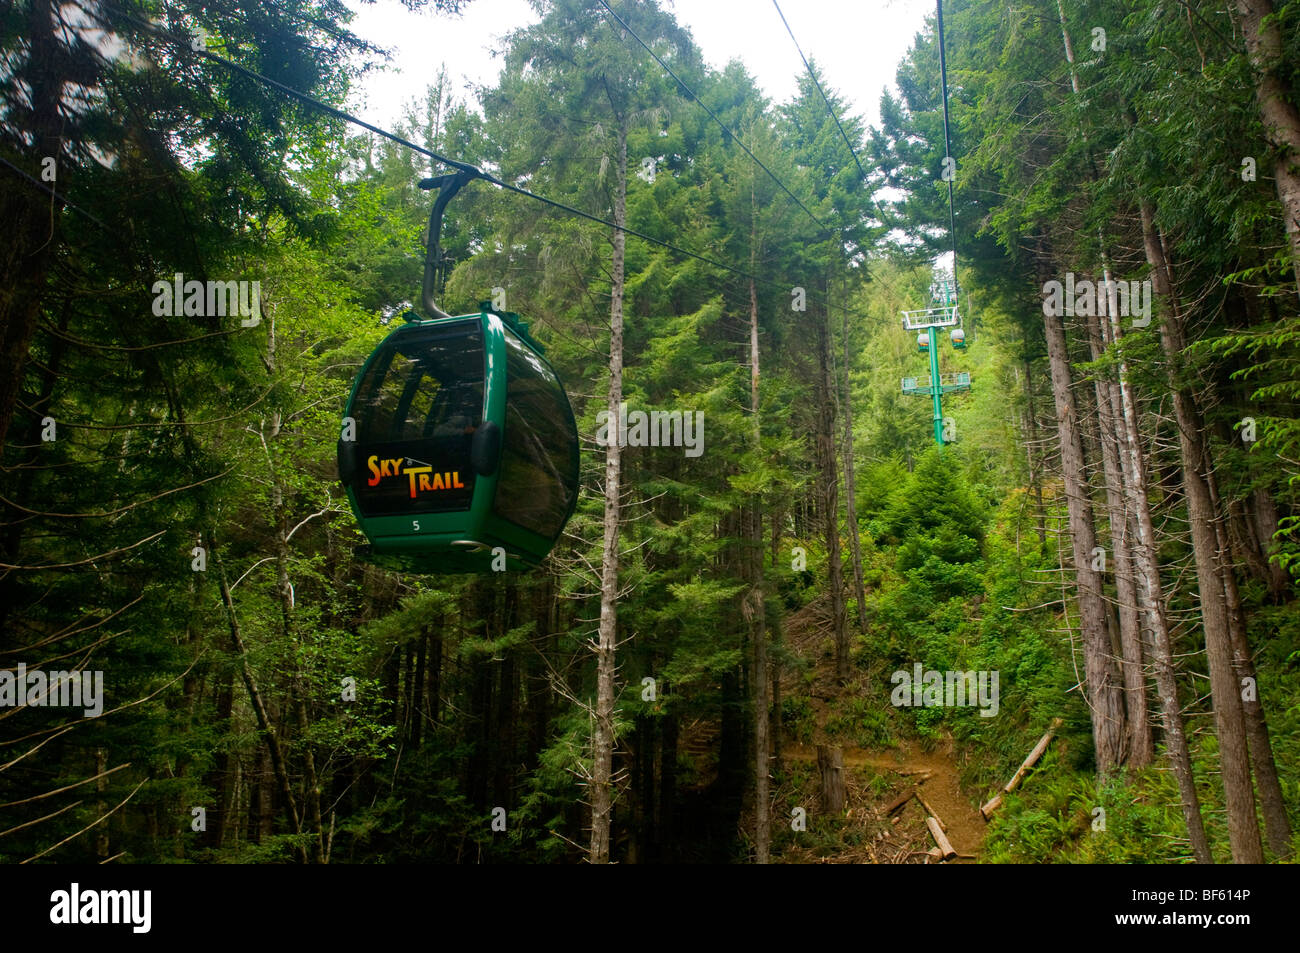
x,y
942,313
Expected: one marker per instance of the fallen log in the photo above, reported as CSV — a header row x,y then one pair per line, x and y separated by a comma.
x,y
937,833
929,810
898,802
987,810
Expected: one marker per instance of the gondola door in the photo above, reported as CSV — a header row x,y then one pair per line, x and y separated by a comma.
x,y
417,408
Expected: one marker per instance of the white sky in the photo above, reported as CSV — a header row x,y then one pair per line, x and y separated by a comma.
x,y
857,44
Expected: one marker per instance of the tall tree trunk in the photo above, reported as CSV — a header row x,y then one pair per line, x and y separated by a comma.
x,y
1157,640
222,763
850,481
285,595
1242,535
1134,693
312,795
263,717
668,788
828,498
435,673
506,719
1267,517
778,519
265,800
1277,825
1243,825
418,704
1140,746
1262,30
1035,470
1104,692
101,786
603,736
776,694
754,604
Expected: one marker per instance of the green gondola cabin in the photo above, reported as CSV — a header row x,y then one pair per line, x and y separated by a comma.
x,y
464,447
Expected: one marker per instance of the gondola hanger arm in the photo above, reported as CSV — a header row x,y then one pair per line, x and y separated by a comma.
x,y
447,185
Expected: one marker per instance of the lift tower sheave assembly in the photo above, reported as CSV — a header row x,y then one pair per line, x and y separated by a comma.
x,y
942,313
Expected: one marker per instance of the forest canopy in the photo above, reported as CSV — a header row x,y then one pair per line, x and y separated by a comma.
x,y
1084,502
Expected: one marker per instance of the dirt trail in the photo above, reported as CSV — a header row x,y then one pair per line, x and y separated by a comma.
x,y
941,790
807,633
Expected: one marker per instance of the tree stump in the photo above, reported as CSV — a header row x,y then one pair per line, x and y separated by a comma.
x,y
830,764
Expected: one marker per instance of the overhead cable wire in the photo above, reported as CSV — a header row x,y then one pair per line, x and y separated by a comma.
x,y
831,109
185,43
658,59
817,83
454,163
947,144
668,69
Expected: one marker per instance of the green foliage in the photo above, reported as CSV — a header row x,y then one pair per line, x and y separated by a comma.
x,y
1066,817
797,719
402,711
862,721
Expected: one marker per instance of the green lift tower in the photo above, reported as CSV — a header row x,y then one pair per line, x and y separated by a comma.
x,y
942,313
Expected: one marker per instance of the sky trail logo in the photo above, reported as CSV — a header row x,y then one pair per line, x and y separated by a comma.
x,y
418,476
102,907
20,688
659,428
1088,298
931,689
